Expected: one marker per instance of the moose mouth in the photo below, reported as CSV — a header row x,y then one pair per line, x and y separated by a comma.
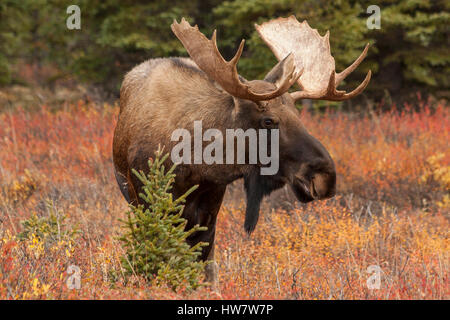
x,y
320,186
302,191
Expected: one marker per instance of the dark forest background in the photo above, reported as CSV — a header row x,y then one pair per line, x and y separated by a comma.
x,y
409,54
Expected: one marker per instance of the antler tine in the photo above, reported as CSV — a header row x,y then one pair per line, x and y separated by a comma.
x,y
206,55
238,54
291,78
306,94
360,88
214,42
342,75
331,93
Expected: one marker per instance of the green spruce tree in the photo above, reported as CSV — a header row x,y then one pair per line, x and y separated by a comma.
x,y
155,236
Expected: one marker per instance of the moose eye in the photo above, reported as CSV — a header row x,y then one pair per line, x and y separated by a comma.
x,y
268,122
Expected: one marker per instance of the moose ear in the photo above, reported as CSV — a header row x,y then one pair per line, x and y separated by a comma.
x,y
278,73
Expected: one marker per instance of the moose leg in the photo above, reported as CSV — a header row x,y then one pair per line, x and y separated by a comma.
x,y
212,270
202,209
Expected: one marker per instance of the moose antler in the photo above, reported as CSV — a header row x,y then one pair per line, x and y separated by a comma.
x,y
206,55
312,54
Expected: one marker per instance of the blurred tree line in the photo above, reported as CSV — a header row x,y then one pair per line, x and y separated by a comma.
x,y
410,51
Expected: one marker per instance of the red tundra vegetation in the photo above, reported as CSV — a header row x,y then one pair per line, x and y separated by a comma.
x,y
391,211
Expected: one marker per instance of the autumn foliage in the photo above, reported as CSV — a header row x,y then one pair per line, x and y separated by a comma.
x,y
391,211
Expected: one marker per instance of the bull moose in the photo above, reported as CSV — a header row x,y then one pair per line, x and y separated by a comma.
x,y
164,94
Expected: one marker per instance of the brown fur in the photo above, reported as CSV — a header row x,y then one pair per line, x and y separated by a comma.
x,y
161,95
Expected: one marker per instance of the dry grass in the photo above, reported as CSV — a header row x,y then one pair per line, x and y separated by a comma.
x,y
391,211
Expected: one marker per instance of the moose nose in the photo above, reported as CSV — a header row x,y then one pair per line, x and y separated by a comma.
x,y
323,185
316,176
318,172
316,180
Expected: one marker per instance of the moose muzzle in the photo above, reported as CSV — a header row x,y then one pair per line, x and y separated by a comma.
x,y
316,178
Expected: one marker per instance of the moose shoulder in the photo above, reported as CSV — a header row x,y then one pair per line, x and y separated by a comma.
x,y
162,95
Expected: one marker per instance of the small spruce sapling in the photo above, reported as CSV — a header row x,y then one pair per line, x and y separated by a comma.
x,y
155,237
